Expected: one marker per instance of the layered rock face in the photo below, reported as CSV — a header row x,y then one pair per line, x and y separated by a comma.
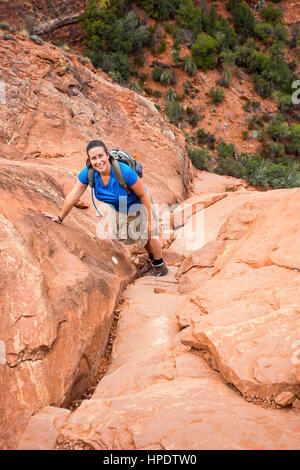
x,y
42,10
59,287
246,316
53,106
237,324
59,283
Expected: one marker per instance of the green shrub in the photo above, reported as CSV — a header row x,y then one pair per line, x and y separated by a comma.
x,y
157,94
189,65
148,91
162,47
206,138
189,16
229,166
156,73
175,112
204,51
216,95
225,80
263,31
136,86
271,14
141,38
202,136
170,28
175,51
188,138
245,135
187,86
262,86
277,128
225,150
225,35
143,77
117,64
231,4
162,9
167,77
280,32
295,138
273,149
255,171
170,95
283,175
192,116
267,117
276,49
139,61
255,123
200,157
285,103
116,76
243,20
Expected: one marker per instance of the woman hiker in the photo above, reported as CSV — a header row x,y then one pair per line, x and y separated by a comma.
x,y
107,189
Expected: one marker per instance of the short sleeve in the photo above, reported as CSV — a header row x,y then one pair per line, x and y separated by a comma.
x,y
83,176
130,176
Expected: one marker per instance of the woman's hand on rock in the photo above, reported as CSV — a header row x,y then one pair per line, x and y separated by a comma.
x,y
54,218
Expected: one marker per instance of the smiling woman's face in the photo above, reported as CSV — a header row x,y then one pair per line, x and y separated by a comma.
x,y
99,159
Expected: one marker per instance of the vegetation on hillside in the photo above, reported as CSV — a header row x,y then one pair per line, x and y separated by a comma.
x,y
117,37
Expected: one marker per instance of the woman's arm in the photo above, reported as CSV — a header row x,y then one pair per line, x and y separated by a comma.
x,y
70,200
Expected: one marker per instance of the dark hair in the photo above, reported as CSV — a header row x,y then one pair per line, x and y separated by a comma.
x,y
91,145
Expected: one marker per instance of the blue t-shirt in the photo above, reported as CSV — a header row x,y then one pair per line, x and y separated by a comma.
x,y
111,192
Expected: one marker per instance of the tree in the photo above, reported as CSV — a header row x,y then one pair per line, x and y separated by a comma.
x,y
204,51
229,37
243,20
162,9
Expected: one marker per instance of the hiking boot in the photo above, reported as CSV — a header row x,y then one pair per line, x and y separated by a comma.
x,y
148,266
157,271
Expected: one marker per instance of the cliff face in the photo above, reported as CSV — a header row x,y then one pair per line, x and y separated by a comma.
x,y
55,21
59,285
43,10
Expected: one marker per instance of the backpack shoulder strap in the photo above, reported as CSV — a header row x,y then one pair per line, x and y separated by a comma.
x,y
91,177
119,175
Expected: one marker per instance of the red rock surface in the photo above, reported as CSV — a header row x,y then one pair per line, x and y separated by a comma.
x,y
55,105
229,315
59,287
42,10
59,284
158,395
246,315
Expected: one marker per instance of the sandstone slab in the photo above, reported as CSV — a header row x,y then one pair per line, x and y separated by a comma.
x,y
247,313
59,288
159,395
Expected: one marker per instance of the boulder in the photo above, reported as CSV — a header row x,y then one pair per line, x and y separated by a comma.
x,y
59,287
247,313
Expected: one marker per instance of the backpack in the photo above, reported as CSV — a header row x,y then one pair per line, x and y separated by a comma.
x,y
116,156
